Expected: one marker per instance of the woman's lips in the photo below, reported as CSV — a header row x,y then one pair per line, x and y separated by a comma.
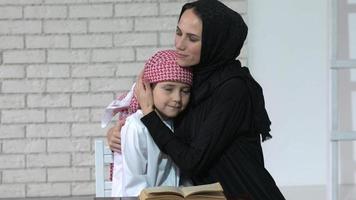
x,y
179,55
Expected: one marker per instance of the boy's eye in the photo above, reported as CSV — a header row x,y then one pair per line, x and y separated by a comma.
x,y
168,89
186,91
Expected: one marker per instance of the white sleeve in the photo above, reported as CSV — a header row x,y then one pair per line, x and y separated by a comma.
x,y
134,151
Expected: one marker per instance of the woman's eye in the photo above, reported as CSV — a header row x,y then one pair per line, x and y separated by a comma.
x,y
178,32
193,39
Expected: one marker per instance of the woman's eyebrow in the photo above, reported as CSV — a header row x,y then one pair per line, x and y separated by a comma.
x,y
192,34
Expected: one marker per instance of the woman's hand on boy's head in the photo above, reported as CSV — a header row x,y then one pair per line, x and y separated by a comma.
x,y
144,95
114,137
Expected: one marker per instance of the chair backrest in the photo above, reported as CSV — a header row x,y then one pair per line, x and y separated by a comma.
x,y
103,158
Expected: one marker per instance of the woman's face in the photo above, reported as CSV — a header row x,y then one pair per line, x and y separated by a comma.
x,y
188,39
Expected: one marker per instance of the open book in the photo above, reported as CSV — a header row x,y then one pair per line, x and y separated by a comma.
x,y
209,191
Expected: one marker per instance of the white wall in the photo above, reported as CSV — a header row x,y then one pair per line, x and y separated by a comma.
x,y
288,55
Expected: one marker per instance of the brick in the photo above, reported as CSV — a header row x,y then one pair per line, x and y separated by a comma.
x,y
11,42
12,71
12,162
156,24
20,27
83,159
24,56
135,39
136,9
144,53
48,100
92,129
19,2
170,8
96,114
83,188
97,70
48,189
87,11
111,1
22,116
167,39
45,12
67,115
24,176
68,174
12,101
129,69
65,26
110,25
113,55
48,160
10,12
89,41
11,131
68,145
47,130
65,1
12,190
23,86
47,41
121,84
48,71
90,100
68,85
24,146
68,56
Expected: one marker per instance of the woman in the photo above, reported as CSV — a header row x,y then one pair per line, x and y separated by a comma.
x,y
218,137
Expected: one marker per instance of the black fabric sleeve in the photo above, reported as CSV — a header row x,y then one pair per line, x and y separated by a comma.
x,y
226,118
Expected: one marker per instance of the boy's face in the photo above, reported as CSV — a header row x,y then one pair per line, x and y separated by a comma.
x,y
170,98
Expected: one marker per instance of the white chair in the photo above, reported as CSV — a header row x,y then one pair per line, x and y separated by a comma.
x,y
103,158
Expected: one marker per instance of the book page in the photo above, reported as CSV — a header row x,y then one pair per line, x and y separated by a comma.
x,y
202,189
164,190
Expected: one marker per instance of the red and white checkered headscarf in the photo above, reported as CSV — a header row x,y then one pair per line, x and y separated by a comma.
x,y
162,66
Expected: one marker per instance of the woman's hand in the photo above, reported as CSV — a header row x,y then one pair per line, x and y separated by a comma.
x,y
114,137
143,93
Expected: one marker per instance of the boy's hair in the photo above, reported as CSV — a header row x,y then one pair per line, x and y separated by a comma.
x,y
162,66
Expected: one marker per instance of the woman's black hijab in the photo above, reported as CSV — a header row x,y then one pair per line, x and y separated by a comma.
x,y
223,35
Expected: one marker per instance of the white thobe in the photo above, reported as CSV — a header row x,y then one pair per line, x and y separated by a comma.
x,y
141,163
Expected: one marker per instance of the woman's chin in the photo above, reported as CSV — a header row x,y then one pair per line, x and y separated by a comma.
x,y
183,63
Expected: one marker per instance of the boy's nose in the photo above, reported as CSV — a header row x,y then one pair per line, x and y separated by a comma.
x,y
177,97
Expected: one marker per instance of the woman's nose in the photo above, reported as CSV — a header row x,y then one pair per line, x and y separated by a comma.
x,y
179,43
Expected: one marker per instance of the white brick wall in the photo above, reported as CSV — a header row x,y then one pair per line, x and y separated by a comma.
x,y
61,63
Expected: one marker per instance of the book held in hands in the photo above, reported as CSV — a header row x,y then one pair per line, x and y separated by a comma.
x,y
212,191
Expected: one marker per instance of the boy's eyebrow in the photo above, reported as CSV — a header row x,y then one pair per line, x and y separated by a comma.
x,y
172,85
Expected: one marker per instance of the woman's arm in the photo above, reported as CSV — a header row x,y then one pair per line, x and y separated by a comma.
x,y
224,121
